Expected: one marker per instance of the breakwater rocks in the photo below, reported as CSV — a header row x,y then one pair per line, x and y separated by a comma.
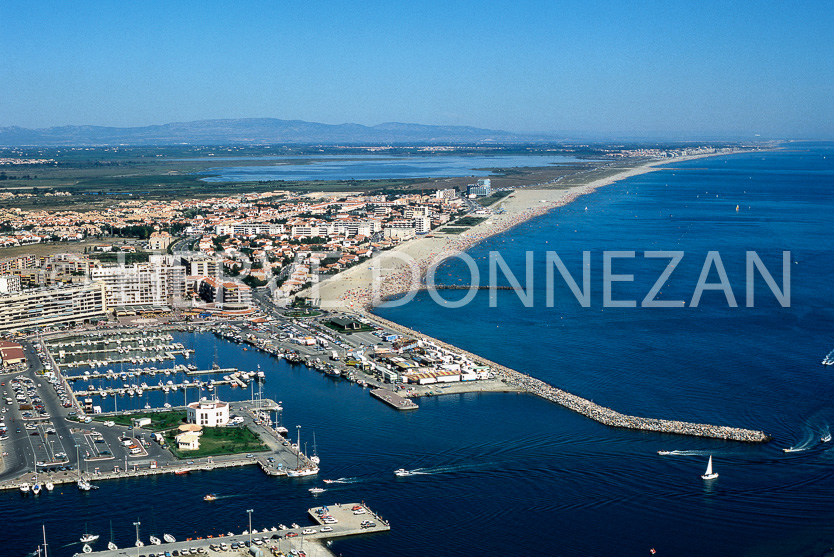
x,y
601,414
613,418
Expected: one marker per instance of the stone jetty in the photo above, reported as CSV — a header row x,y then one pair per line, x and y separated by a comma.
x,y
587,408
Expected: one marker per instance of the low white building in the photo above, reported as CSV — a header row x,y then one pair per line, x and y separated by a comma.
x,y
188,440
208,413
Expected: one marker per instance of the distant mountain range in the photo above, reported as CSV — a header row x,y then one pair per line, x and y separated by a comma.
x,y
257,131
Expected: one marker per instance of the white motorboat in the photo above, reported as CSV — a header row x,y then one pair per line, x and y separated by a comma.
x,y
140,543
825,438
402,472
664,453
87,538
24,487
36,489
49,486
87,548
316,490
791,450
155,540
169,538
709,474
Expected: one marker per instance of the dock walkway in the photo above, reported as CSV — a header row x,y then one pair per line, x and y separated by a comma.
x,y
393,399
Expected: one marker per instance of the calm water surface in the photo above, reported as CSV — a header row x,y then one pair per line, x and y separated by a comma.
x,y
365,167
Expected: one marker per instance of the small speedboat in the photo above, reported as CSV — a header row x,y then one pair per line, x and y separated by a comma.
x,y
664,453
87,538
155,540
791,450
169,538
49,486
210,497
316,490
24,487
402,472
825,438
87,548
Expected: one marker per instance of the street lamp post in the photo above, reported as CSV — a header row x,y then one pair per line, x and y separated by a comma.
x,y
78,459
137,523
250,526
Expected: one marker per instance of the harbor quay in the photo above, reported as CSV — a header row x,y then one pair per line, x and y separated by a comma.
x,y
393,399
275,458
525,383
328,523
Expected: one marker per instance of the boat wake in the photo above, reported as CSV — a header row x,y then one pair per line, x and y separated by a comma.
x,y
686,453
809,440
430,471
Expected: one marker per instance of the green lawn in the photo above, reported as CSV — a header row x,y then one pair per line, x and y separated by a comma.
x,y
159,420
495,197
219,441
467,221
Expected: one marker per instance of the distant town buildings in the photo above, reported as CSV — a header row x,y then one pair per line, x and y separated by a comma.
x,y
224,294
481,189
159,241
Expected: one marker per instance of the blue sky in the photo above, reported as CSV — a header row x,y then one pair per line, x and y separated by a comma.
x,y
670,69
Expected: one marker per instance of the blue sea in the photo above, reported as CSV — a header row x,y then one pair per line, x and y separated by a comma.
x,y
510,474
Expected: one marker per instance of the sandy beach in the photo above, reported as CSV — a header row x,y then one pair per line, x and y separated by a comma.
x,y
400,269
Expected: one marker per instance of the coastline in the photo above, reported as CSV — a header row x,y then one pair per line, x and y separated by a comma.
x,y
355,288
352,290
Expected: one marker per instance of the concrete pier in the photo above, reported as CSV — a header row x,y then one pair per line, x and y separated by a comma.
x,y
601,414
351,519
393,399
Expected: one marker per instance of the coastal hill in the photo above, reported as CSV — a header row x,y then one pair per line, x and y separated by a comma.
x,y
257,131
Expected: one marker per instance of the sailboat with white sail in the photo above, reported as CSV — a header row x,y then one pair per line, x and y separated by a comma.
x,y
709,474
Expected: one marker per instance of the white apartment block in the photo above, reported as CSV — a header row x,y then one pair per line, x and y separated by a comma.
x,y
249,229
9,284
52,306
155,283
